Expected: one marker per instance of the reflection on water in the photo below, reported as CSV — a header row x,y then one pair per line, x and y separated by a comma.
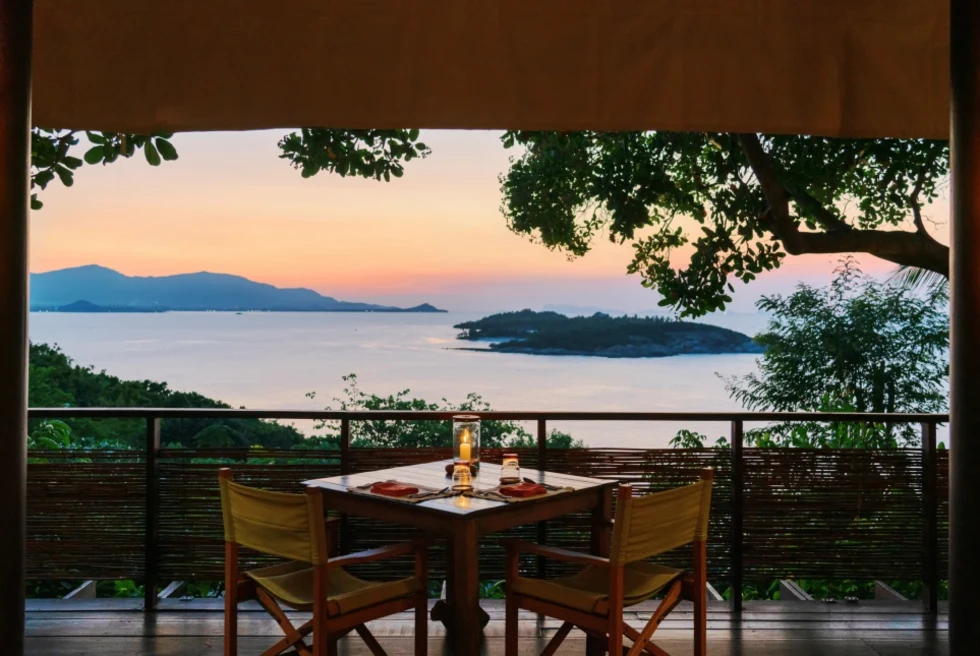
x,y
271,360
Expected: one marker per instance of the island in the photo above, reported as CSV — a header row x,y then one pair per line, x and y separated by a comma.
x,y
94,288
600,335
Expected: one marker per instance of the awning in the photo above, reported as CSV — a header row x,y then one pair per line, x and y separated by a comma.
x,y
858,68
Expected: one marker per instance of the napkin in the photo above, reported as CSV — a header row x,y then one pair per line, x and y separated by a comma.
x,y
391,489
522,490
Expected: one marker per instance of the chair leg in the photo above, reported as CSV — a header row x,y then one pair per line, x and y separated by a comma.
x,y
231,625
422,624
668,604
595,644
510,626
231,599
558,639
700,599
370,641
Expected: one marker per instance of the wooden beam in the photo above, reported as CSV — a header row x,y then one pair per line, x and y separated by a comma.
x,y
16,28
964,388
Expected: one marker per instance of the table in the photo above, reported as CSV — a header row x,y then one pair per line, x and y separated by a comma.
x,y
462,520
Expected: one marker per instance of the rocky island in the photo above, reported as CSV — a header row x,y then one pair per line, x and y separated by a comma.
x,y
600,335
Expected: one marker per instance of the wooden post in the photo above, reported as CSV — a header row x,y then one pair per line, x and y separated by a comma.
x,y
152,548
930,529
964,387
345,469
542,466
738,434
15,125
345,446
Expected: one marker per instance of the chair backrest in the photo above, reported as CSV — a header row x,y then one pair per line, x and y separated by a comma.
x,y
276,523
650,525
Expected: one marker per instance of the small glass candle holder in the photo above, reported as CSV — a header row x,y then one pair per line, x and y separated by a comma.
x,y
510,469
466,440
462,478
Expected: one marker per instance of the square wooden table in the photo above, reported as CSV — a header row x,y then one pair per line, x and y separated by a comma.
x,y
462,520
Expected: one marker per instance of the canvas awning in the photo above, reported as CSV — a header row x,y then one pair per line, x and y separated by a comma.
x,y
860,68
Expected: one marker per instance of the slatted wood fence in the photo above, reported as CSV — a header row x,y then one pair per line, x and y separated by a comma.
x,y
844,514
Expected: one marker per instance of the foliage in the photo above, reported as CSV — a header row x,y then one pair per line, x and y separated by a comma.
x,y
51,154
857,346
743,202
688,439
602,334
56,381
366,153
374,154
423,434
50,434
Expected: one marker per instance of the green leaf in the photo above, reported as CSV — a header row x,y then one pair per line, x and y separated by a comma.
x,y
413,134
35,203
65,175
167,150
152,155
95,154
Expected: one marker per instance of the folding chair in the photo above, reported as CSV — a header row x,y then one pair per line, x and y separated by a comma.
x,y
593,599
292,526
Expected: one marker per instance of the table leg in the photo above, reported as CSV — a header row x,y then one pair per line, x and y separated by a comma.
x,y
600,541
440,610
443,610
467,630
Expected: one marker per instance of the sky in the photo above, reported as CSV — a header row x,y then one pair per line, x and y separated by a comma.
x,y
230,205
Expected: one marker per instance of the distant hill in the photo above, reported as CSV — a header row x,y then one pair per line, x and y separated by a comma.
x,y
95,288
550,333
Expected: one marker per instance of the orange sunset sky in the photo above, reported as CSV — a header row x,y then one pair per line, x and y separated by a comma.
x,y
230,205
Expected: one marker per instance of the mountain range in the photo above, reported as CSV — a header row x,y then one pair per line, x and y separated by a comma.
x,y
96,288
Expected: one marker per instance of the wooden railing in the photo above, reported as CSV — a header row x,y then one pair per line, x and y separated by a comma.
x,y
153,514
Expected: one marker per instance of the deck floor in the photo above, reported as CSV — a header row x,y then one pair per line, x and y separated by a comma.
x,y
194,628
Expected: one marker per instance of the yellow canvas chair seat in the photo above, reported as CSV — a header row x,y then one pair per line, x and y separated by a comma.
x,y
293,527
292,585
593,599
589,589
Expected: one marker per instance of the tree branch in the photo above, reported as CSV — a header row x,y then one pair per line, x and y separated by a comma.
x,y
898,246
772,188
917,249
777,195
914,202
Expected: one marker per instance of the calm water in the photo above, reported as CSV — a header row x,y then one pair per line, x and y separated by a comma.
x,y
272,360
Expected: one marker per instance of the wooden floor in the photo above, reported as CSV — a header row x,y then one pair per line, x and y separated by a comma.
x,y
193,628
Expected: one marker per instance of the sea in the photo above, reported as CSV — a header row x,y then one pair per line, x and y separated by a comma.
x,y
278,360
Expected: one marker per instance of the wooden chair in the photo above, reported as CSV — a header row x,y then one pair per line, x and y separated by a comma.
x,y
593,600
292,526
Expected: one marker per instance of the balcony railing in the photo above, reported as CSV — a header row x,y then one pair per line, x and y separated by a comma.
x,y
153,514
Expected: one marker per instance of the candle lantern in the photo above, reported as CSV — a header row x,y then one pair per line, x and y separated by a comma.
x,y
466,440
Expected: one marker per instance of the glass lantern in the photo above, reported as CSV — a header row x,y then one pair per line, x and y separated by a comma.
x,y
466,440
462,478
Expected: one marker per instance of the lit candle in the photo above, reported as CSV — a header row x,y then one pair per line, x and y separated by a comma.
x,y
464,445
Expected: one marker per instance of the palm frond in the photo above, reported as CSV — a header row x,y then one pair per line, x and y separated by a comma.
x,y
917,278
